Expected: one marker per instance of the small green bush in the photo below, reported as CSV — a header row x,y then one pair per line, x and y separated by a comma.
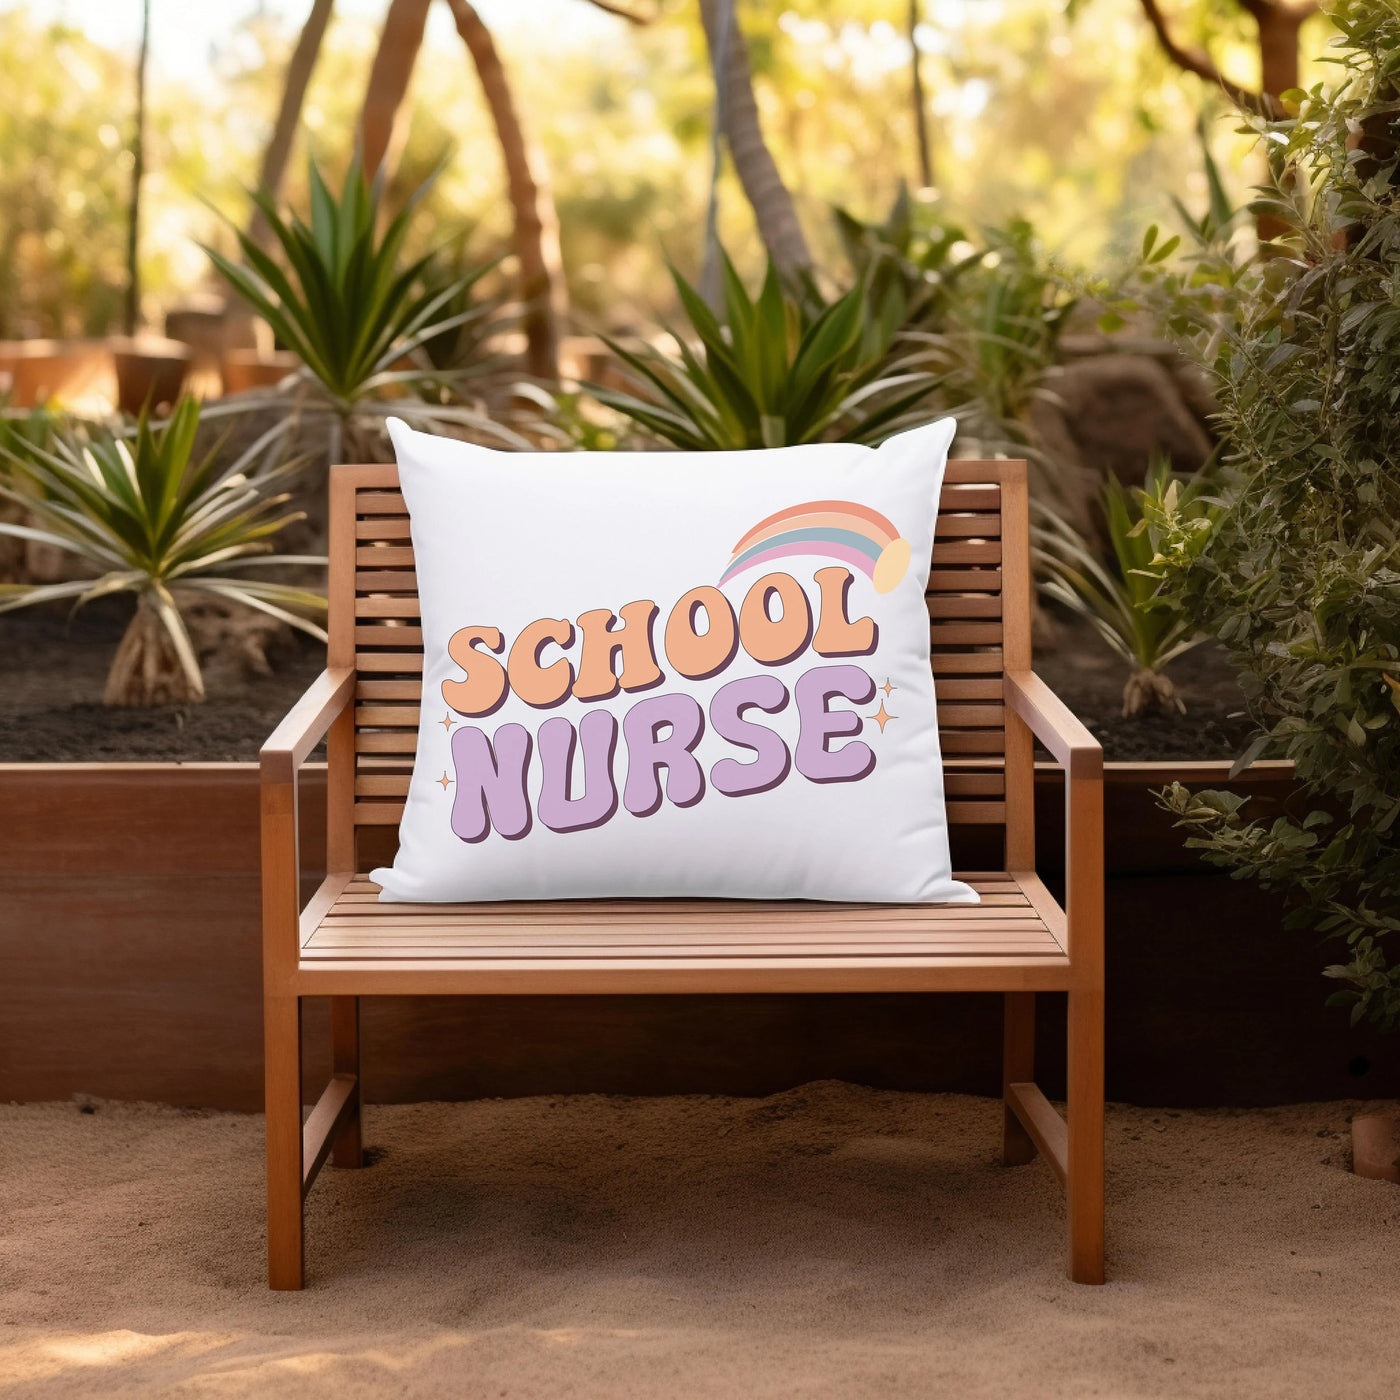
x,y
1299,575
1118,597
149,517
776,370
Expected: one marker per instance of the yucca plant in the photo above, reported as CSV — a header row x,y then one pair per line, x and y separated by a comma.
x,y
1118,599
775,370
358,314
150,518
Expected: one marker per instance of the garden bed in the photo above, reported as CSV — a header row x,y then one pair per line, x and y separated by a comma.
x,y
51,707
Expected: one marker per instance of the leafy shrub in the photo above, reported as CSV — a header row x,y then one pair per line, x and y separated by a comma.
x,y
989,306
1299,574
364,322
150,519
1118,599
776,370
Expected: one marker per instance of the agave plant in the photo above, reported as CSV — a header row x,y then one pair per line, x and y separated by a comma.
x,y
775,371
150,518
361,318
1119,599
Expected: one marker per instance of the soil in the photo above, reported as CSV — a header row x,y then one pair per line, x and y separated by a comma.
x,y
54,669
1081,669
55,664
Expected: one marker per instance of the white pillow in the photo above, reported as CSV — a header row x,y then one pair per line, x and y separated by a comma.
x,y
760,724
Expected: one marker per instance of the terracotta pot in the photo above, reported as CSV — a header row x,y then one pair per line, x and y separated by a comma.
x,y
41,370
1375,1146
249,369
150,369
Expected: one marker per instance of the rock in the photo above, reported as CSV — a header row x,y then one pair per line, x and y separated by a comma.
x,y
1122,410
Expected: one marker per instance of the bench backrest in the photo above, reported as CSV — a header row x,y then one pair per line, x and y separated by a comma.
x,y
979,599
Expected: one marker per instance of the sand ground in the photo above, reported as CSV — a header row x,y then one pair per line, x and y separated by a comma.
x,y
827,1242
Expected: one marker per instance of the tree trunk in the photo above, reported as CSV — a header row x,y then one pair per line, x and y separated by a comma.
x,y
1278,46
920,105
279,146
543,290
1278,71
146,669
771,200
399,42
132,311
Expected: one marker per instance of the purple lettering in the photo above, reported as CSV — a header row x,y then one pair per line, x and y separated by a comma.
x,y
648,751
558,808
818,726
772,761
491,782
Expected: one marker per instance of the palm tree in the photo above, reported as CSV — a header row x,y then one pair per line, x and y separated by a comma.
x,y
279,146
132,311
543,290
737,117
399,42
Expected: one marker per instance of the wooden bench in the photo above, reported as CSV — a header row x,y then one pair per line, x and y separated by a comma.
x,y
1018,941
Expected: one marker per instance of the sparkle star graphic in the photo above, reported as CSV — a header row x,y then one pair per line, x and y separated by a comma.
x,y
887,688
445,780
447,722
882,717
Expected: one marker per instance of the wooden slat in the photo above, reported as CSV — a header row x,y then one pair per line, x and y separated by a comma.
x,y
969,552
383,785
378,813
989,689
384,556
380,503
982,527
964,634
386,581
387,716
957,784
978,497
383,920
388,635
387,741
362,899
391,527
984,741
968,663
406,662
405,690
971,716
964,605
404,606
955,497
945,580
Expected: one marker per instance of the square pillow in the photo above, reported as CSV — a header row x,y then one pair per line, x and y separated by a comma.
x,y
680,673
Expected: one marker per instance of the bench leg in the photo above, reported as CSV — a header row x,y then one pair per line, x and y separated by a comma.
x,y
1017,1067
282,1042
345,1059
1085,1111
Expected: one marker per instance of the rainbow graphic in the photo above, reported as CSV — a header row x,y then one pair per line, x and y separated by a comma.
x,y
854,534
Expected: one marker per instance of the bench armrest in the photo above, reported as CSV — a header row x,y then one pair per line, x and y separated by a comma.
x,y
305,724
285,751
1054,724
1081,756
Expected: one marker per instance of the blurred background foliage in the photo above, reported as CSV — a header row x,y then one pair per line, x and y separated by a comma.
x,y
1067,115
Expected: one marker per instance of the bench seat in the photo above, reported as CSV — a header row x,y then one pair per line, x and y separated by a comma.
x,y
697,945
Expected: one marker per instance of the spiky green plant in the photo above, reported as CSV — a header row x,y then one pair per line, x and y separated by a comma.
x,y
151,518
773,371
359,315
1118,599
